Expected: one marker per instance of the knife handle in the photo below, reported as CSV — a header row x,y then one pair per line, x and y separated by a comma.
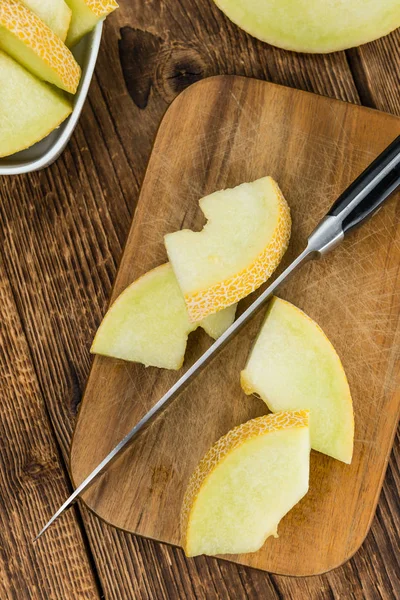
x,y
359,201
366,194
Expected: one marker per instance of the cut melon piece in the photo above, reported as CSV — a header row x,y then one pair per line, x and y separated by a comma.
x,y
148,322
314,25
85,16
245,485
25,37
240,246
215,325
55,13
292,366
30,109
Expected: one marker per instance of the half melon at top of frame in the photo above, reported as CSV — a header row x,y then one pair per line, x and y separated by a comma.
x,y
316,26
245,237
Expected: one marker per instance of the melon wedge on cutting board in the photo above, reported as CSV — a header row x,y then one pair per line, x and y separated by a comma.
x,y
314,25
246,234
29,108
293,366
148,322
25,37
245,485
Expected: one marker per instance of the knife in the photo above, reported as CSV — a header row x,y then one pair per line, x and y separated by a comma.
x,y
354,206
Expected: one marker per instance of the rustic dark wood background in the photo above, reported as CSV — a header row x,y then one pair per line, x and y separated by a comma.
x,y
61,237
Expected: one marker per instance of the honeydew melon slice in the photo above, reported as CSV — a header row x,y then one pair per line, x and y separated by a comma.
x,y
25,37
148,322
314,25
293,366
245,485
85,16
55,13
246,234
29,108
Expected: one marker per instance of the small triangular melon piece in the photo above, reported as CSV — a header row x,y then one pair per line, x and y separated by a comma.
x,y
55,13
245,485
293,366
85,16
314,25
25,37
215,325
29,108
148,322
246,234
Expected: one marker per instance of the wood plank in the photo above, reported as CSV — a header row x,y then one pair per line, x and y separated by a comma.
x,y
314,147
106,159
32,479
376,71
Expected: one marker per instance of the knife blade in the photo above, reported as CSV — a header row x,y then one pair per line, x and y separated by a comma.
x,y
353,207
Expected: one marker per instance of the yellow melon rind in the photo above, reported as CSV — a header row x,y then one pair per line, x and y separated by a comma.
x,y
101,8
227,292
30,30
225,445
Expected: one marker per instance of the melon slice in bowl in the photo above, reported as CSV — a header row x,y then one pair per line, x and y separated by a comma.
x,y
85,16
314,25
246,234
293,366
25,37
55,13
245,485
148,322
29,108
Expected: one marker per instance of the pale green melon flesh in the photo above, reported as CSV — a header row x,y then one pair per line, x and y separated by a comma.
x,y
249,492
240,222
216,324
148,323
22,53
83,20
29,108
314,25
292,366
55,13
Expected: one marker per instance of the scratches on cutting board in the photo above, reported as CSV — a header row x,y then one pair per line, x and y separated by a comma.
x,y
353,294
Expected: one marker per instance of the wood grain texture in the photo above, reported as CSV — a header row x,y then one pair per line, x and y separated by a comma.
x,y
219,133
376,72
71,222
32,478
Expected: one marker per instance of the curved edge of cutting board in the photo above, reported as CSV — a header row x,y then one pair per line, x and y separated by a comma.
x,y
202,95
241,559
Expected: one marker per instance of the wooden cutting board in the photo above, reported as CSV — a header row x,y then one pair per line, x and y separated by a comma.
x,y
219,133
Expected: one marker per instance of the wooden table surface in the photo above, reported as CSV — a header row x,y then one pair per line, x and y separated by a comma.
x,y
62,233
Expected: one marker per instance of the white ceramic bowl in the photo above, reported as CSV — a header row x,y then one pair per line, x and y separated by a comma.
x,y
46,151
